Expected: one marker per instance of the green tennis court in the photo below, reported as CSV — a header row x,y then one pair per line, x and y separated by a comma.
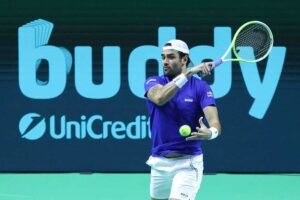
x,y
135,187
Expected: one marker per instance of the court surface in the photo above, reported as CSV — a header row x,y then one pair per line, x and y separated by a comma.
x,y
98,186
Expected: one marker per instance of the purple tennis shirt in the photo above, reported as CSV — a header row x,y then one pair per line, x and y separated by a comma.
x,y
186,107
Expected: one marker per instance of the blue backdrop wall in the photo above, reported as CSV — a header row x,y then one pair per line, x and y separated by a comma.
x,y
93,117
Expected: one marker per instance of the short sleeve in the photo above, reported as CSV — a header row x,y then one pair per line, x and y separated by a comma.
x,y
150,82
206,96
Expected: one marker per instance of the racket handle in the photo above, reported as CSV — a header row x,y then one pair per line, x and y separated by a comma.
x,y
217,63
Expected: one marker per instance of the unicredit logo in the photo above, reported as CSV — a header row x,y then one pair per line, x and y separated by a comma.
x,y
32,126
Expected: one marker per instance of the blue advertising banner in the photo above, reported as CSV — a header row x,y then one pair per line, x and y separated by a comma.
x,y
72,84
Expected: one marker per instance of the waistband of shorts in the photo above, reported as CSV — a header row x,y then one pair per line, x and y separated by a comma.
x,y
175,155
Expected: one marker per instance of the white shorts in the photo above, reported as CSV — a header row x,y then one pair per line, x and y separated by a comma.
x,y
178,178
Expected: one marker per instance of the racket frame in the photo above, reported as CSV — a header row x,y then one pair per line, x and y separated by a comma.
x,y
231,46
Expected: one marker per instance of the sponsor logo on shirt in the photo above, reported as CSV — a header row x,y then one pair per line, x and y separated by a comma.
x,y
210,94
188,100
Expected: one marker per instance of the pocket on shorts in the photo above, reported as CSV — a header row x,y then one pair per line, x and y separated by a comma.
x,y
151,161
197,162
160,164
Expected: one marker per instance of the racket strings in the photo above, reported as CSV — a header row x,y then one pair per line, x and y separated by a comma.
x,y
258,42
258,37
255,36
255,39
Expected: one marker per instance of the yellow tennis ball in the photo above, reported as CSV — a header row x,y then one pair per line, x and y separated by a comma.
x,y
185,130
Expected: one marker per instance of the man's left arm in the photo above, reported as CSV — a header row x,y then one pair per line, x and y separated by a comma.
x,y
212,117
203,132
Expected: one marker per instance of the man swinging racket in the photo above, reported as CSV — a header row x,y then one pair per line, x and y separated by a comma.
x,y
175,99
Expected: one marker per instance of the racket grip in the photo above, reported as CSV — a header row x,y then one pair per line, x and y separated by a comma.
x,y
218,62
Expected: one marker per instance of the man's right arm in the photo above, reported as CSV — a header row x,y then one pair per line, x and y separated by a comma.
x,y
160,94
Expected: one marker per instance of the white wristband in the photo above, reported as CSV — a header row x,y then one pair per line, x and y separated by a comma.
x,y
214,133
180,80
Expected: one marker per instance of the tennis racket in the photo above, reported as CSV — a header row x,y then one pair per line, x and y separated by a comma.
x,y
252,42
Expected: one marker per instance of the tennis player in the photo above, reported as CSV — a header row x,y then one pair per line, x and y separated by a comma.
x,y
175,99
